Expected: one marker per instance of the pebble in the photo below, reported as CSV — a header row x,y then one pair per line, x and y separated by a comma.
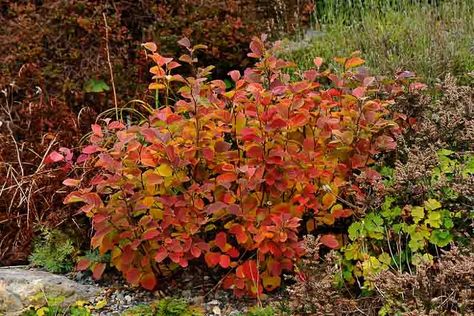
x,y
216,310
213,302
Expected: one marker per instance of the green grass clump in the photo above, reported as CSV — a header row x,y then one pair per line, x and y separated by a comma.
x,y
261,311
53,251
429,39
165,307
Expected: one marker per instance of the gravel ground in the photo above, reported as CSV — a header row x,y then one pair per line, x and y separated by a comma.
x,y
193,286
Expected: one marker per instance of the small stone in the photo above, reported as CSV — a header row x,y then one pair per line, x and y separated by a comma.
x,y
213,302
234,313
206,278
216,310
128,298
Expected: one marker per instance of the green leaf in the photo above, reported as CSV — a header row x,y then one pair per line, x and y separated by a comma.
x,y
432,204
354,230
448,223
418,213
445,152
441,237
434,219
96,86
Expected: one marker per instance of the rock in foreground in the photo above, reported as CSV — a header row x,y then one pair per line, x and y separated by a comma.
x,y
20,288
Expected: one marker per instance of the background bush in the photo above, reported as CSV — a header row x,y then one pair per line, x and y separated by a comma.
x,y
429,39
55,80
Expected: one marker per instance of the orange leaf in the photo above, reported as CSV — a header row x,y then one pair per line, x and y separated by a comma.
x,y
226,178
353,62
83,264
271,282
150,46
98,270
148,281
328,200
212,258
329,241
224,261
133,276
221,240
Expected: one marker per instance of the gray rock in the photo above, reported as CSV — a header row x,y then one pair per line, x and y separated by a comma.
x,y
20,288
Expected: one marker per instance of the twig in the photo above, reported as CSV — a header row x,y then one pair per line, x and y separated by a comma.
x,y
110,65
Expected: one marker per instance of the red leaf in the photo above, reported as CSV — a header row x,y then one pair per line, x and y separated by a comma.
x,y
133,276
359,92
212,258
97,130
235,75
330,241
161,255
53,157
342,213
221,240
239,232
227,177
148,281
83,264
195,251
98,270
224,261
71,182
150,234
256,46
250,270
90,149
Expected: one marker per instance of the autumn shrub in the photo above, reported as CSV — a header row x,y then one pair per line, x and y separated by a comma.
x,y
54,69
227,175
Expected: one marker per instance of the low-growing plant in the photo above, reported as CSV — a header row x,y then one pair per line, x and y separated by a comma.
x,y
397,238
54,251
227,175
53,306
165,307
261,311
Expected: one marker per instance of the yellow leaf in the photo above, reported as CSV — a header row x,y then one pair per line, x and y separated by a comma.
x,y
328,200
354,62
156,213
164,170
156,86
80,303
148,201
101,304
150,46
42,311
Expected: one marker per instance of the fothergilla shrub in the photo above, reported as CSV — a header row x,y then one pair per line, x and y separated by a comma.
x,y
227,175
